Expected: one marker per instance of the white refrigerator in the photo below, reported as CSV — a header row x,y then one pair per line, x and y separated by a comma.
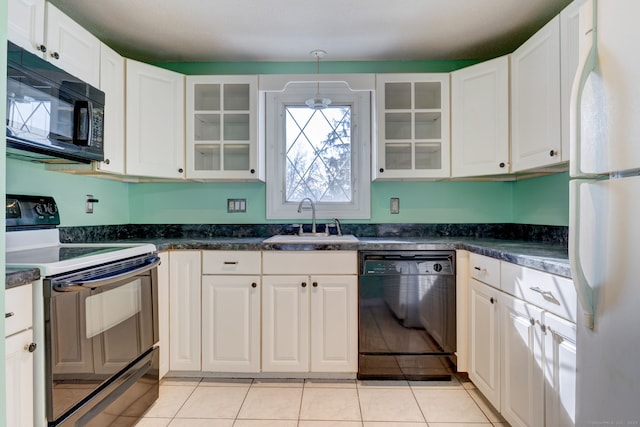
x,y
604,228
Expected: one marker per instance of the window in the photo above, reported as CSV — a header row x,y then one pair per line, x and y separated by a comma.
x,y
321,154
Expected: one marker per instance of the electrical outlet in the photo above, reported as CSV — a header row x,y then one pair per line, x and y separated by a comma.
x,y
395,205
236,205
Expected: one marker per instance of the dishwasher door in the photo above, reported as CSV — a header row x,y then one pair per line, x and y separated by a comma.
x,y
407,315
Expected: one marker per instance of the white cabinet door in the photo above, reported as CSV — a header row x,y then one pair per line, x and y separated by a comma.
x,y
71,47
334,323
163,312
18,365
480,119
285,323
560,371
413,126
535,100
112,84
184,318
522,388
569,46
25,24
484,345
222,128
231,323
155,121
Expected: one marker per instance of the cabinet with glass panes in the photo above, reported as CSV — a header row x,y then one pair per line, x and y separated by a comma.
x,y
412,126
221,126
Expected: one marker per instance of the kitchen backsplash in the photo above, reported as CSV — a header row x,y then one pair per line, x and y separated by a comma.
x,y
524,232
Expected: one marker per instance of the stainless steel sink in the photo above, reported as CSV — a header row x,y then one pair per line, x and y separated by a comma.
x,y
312,239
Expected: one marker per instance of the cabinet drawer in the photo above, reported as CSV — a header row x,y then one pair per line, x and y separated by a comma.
x,y
553,293
19,308
230,262
485,269
310,262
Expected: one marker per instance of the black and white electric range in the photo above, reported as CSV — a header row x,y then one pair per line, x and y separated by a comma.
x,y
95,318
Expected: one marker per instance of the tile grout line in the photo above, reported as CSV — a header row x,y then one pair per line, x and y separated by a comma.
x,y
244,399
424,417
185,401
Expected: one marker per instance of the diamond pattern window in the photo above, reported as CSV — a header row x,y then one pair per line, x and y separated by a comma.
x,y
323,154
318,154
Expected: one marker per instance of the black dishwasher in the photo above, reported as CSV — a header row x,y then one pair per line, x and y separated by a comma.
x,y
407,313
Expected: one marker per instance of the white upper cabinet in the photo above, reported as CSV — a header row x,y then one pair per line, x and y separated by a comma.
x,y
535,100
60,40
569,45
413,127
71,47
155,121
112,84
25,24
221,128
480,119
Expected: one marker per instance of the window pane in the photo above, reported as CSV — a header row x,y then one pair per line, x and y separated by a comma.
x,y
318,153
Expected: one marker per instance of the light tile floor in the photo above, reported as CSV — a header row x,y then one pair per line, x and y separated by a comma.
x,y
185,402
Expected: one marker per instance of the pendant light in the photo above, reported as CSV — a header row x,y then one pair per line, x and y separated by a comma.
x,y
318,102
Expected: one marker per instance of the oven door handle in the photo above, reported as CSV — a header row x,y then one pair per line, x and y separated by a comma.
x,y
83,285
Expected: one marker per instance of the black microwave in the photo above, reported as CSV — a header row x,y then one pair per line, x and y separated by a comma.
x,y
50,113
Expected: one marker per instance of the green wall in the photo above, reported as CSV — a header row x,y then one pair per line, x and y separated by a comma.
x,y
420,202
326,67
70,192
543,200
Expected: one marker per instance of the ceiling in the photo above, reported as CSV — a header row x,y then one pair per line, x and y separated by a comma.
x,y
287,30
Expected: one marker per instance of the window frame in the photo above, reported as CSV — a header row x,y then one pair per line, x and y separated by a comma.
x,y
296,93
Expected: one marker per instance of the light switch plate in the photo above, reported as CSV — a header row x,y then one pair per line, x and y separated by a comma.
x,y
236,205
395,205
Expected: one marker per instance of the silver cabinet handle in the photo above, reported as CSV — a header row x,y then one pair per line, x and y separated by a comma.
x,y
547,295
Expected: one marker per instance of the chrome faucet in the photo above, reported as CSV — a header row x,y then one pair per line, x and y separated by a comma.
x,y
338,226
313,213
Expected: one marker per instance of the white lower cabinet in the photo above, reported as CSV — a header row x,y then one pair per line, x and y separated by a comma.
x,y
163,312
184,310
231,323
484,345
310,321
231,291
522,386
309,324
18,357
560,371
523,345
285,323
271,311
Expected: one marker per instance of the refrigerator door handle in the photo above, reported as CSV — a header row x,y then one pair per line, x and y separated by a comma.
x,y
584,290
586,64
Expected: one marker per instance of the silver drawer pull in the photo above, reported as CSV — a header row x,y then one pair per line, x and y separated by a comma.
x,y
230,262
545,294
7,315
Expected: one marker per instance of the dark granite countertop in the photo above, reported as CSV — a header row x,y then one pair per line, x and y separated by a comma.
x,y
549,257
14,278
545,256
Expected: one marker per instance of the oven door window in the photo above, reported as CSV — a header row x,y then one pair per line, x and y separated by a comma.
x,y
108,309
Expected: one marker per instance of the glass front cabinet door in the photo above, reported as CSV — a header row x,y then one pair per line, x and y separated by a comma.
x,y
221,125
412,126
